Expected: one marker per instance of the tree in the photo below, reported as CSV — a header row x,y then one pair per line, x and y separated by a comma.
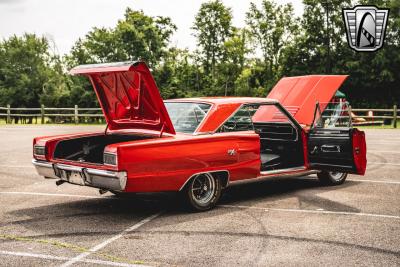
x,y
212,26
272,27
137,36
26,71
236,50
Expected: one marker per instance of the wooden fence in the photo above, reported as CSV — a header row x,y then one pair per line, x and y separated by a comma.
x,y
74,114
377,115
77,115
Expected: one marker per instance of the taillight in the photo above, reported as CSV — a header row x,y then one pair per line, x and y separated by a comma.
x,y
39,150
110,159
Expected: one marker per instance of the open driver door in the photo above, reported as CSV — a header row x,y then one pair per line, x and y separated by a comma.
x,y
333,144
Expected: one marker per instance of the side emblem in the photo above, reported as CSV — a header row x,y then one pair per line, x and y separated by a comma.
x,y
231,152
365,27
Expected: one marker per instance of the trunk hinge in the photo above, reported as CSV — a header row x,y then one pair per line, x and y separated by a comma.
x,y
162,129
105,131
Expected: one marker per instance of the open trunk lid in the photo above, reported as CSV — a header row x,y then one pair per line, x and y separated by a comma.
x,y
128,96
299,95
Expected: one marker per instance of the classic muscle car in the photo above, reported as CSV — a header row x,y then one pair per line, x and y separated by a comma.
x,y
200,146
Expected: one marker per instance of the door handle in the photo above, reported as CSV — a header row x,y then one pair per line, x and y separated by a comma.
x,y
330,148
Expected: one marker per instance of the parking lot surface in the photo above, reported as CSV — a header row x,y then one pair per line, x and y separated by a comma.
x,y
287,222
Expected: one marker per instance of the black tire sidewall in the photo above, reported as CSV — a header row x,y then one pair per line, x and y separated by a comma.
x,y
326,178
213,201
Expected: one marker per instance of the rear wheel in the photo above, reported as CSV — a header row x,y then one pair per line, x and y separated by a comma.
x,y
332,178
203,192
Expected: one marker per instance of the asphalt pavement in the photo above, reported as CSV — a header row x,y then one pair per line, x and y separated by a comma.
x,y
291,222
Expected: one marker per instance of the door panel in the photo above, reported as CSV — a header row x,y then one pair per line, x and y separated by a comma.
x,y
337,149
359,151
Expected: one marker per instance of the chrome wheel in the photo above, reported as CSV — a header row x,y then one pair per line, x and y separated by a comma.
x,y
203,189
332,177
337,176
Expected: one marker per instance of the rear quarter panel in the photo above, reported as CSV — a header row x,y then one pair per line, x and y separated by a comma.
x,y
165,164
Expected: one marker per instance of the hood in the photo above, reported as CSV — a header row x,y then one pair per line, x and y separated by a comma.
x,y
128,96
299,95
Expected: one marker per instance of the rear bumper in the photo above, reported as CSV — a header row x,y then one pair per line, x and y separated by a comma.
x,y
103,179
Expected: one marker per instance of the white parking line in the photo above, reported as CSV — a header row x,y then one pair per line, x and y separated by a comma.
x,y
51,194
110,240
373,181
16,166
356,180
384,163
57,258
383,151
314,211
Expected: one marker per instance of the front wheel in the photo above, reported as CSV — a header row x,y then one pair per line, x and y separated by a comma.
x,y
203,192
332,178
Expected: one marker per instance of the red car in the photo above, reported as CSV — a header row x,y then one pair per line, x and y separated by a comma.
x,y
199,146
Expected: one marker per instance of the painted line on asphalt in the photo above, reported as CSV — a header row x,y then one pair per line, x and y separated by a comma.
x,y
51,194
57,258
314,211
373,181
355,180
384,151
384,163
16,166
81,256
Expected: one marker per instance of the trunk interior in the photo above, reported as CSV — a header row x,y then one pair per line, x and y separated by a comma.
x,y
90,148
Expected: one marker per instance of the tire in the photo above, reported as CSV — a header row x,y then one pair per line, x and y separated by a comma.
x,y
332,178
203,192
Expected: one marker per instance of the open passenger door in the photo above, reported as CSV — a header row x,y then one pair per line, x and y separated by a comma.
x,y
333,144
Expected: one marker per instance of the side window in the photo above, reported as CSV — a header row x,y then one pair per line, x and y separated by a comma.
x,y
334,115
240,121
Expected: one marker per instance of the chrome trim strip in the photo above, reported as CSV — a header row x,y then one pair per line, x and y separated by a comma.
x,y
227,182
302,168
264,178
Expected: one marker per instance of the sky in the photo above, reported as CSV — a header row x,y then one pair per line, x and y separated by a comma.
x,y
64,21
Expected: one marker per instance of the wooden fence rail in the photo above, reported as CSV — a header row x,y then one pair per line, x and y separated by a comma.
x,y
43,112
76,113
372,114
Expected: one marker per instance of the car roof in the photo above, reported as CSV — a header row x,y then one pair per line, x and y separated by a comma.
x,y
223,108
220,100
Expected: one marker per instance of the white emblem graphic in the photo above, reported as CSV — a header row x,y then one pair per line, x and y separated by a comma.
x,y
365,26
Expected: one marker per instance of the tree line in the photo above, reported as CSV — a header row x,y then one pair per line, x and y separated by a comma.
x,y
228,60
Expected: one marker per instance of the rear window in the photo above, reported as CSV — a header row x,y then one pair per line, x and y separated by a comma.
x,y
186,117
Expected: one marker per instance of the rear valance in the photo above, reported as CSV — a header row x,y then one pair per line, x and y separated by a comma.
x,y
128,96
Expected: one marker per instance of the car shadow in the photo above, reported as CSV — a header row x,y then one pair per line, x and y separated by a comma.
x,y
110,215
305,189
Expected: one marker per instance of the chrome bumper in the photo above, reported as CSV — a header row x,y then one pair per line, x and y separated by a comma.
x,y
82,176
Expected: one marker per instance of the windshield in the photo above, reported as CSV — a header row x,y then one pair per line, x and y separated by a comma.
x,y
186,117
